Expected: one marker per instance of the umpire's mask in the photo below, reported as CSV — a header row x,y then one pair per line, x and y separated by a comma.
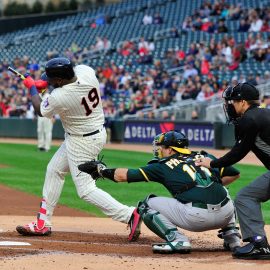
x,y
242,91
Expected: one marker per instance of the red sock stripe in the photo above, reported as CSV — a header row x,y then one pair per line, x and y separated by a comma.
x,y
42,211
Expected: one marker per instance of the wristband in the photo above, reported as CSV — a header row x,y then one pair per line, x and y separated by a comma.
x,y
108,173
33,91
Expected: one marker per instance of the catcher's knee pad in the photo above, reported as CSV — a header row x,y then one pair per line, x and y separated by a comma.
x,y
143,205
153,220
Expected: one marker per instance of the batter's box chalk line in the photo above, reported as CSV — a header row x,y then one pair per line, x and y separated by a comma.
x,y
12,243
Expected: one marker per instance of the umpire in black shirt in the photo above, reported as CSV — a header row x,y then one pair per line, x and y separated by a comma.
x,y
252,133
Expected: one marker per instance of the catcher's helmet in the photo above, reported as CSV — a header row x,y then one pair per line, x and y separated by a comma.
x,y
59,67
173,139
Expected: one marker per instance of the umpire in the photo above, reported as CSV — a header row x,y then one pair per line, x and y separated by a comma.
x,y
252,133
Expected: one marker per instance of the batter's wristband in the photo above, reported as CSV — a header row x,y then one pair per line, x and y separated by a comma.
x,y
108,173
33,91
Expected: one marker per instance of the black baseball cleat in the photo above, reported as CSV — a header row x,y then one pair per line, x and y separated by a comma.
x,y
257,249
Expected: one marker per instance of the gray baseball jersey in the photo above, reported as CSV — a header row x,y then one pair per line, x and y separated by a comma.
x,y
80,109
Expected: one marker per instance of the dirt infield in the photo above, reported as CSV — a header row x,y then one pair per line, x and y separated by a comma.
x,y
80,241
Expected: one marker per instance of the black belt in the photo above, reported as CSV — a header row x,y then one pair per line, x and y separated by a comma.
x,y
87,134
205,206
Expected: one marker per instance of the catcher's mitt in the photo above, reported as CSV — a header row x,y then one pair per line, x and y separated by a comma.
x,y
93,168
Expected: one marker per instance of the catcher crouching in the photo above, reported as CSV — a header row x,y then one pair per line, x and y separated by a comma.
x,y
199,201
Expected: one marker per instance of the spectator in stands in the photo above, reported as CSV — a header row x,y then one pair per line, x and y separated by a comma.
x,y
147,19
222,28
259,55
205,94
121,110
179,93
217,8
225,12
244,26
140,115
266,101
242,78
226,51
131,109
165,99
190,92
189,71
150,115
267,76
100,20
187,25
235,11
174,32
234,81
259,78
98,46
127,48
165,115
256,23
251,79
206,24
2,104
157,19
205,66
265,26
107,45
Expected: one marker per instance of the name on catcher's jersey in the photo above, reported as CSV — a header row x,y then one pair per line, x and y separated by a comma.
x,y
78,104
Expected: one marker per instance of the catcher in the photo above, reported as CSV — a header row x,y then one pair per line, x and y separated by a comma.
x,y
200,201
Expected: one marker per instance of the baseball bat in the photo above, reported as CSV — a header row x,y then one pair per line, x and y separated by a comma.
x,y
18,74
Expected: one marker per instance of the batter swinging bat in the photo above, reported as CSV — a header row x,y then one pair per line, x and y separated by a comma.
x,y
18,74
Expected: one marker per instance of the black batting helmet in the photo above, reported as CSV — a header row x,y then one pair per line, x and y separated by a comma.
x,y
59,67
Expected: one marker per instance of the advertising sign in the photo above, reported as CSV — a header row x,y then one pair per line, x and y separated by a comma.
x,y
144,132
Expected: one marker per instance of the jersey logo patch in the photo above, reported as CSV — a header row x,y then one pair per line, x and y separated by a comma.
x,y
46,103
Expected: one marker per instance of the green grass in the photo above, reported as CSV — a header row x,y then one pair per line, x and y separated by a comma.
x,y
26,169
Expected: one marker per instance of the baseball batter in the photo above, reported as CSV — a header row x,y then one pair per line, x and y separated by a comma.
x,y
200,201
76,99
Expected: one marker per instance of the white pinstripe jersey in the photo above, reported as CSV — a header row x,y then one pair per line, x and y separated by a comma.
x,y
78,104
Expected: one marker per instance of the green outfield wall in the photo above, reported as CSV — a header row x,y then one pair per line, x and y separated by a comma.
x,y
201,134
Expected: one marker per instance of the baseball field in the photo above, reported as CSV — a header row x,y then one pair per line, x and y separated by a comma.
x,y
83,238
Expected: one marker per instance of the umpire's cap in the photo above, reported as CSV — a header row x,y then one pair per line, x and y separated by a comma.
x,y
59,67
242,91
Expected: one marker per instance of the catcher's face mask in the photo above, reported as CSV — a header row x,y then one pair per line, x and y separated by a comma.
x,y
228,105
156,145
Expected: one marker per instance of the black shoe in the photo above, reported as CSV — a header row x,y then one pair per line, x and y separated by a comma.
x,y
258,249
41,149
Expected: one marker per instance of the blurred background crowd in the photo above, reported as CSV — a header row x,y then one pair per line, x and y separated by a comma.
x,y
150,84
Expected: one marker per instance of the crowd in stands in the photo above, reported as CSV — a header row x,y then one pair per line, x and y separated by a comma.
x,y
212,18
125,93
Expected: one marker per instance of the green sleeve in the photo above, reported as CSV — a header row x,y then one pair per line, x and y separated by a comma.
x,y
229,171
151,172
135,176
226,171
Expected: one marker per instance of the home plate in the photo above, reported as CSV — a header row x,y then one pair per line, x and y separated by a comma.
x,y
12,243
